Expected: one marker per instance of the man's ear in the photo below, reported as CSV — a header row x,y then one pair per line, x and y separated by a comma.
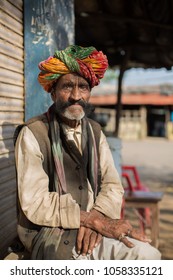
x,y
53,95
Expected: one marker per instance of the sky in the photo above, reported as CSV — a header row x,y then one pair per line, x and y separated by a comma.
x,y
136,77
140,76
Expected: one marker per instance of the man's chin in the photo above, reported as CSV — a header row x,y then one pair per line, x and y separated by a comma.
x,y
74,114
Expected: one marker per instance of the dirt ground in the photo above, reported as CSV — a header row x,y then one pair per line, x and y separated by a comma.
x,y
153,158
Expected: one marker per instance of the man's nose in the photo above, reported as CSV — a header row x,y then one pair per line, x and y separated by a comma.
x,y
75,94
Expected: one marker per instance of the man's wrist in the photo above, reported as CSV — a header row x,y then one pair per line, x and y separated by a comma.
x,y
94,220
83,217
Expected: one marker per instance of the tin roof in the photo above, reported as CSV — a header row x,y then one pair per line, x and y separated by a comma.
x,y
143,29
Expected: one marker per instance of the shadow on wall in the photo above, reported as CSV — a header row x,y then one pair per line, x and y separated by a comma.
x,y
8,213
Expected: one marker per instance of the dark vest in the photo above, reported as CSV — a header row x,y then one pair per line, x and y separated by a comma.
x,y
75,166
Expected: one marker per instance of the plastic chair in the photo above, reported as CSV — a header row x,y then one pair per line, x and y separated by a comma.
x,y
134,181
133,184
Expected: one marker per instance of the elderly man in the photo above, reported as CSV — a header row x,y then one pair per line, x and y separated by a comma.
x,y
69,191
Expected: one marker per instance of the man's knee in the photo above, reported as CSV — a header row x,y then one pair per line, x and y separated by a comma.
x,y
111,249
145,251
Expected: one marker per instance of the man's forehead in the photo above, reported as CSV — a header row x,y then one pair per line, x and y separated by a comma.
x,y
72,77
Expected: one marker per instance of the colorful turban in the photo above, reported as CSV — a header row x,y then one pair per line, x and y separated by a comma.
x,y
87,62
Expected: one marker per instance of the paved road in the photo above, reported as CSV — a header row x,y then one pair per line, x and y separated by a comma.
x,y
153,158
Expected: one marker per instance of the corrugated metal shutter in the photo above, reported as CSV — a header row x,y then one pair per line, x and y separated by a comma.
x,y
11,111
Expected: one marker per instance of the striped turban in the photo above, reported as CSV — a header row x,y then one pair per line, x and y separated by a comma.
x,y
87,62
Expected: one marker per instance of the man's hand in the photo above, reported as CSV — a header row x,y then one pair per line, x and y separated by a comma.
x,y
87,240
121,230
113,228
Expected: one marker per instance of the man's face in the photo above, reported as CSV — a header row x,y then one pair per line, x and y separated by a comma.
x,y
71,96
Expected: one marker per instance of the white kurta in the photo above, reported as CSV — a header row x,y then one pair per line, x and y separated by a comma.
x,y
48,209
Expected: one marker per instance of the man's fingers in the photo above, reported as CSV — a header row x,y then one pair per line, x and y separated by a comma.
x,y
98,239
85,244
139,236
87,240
135,234
79,240
93,238
127,242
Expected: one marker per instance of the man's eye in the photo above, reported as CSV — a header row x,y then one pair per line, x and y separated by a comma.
x,y
67,87
84,87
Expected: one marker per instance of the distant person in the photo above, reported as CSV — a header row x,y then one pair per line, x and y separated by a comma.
x,y
69,192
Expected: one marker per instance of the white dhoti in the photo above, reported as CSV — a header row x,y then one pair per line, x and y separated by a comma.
x,y
112,249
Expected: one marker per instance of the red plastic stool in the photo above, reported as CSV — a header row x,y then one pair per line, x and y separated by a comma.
x,y
133,184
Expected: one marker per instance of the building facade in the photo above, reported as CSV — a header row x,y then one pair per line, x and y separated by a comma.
x,y
30,31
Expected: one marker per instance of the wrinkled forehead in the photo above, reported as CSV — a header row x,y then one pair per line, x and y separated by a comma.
x,y
71,78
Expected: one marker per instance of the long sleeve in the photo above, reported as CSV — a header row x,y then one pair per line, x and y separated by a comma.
x,y
38,204
109,199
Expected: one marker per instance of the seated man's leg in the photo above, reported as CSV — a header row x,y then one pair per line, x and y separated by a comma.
x,y
111,249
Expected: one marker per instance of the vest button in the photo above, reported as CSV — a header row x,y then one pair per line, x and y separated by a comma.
x,y
80,187
66,242
78,166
